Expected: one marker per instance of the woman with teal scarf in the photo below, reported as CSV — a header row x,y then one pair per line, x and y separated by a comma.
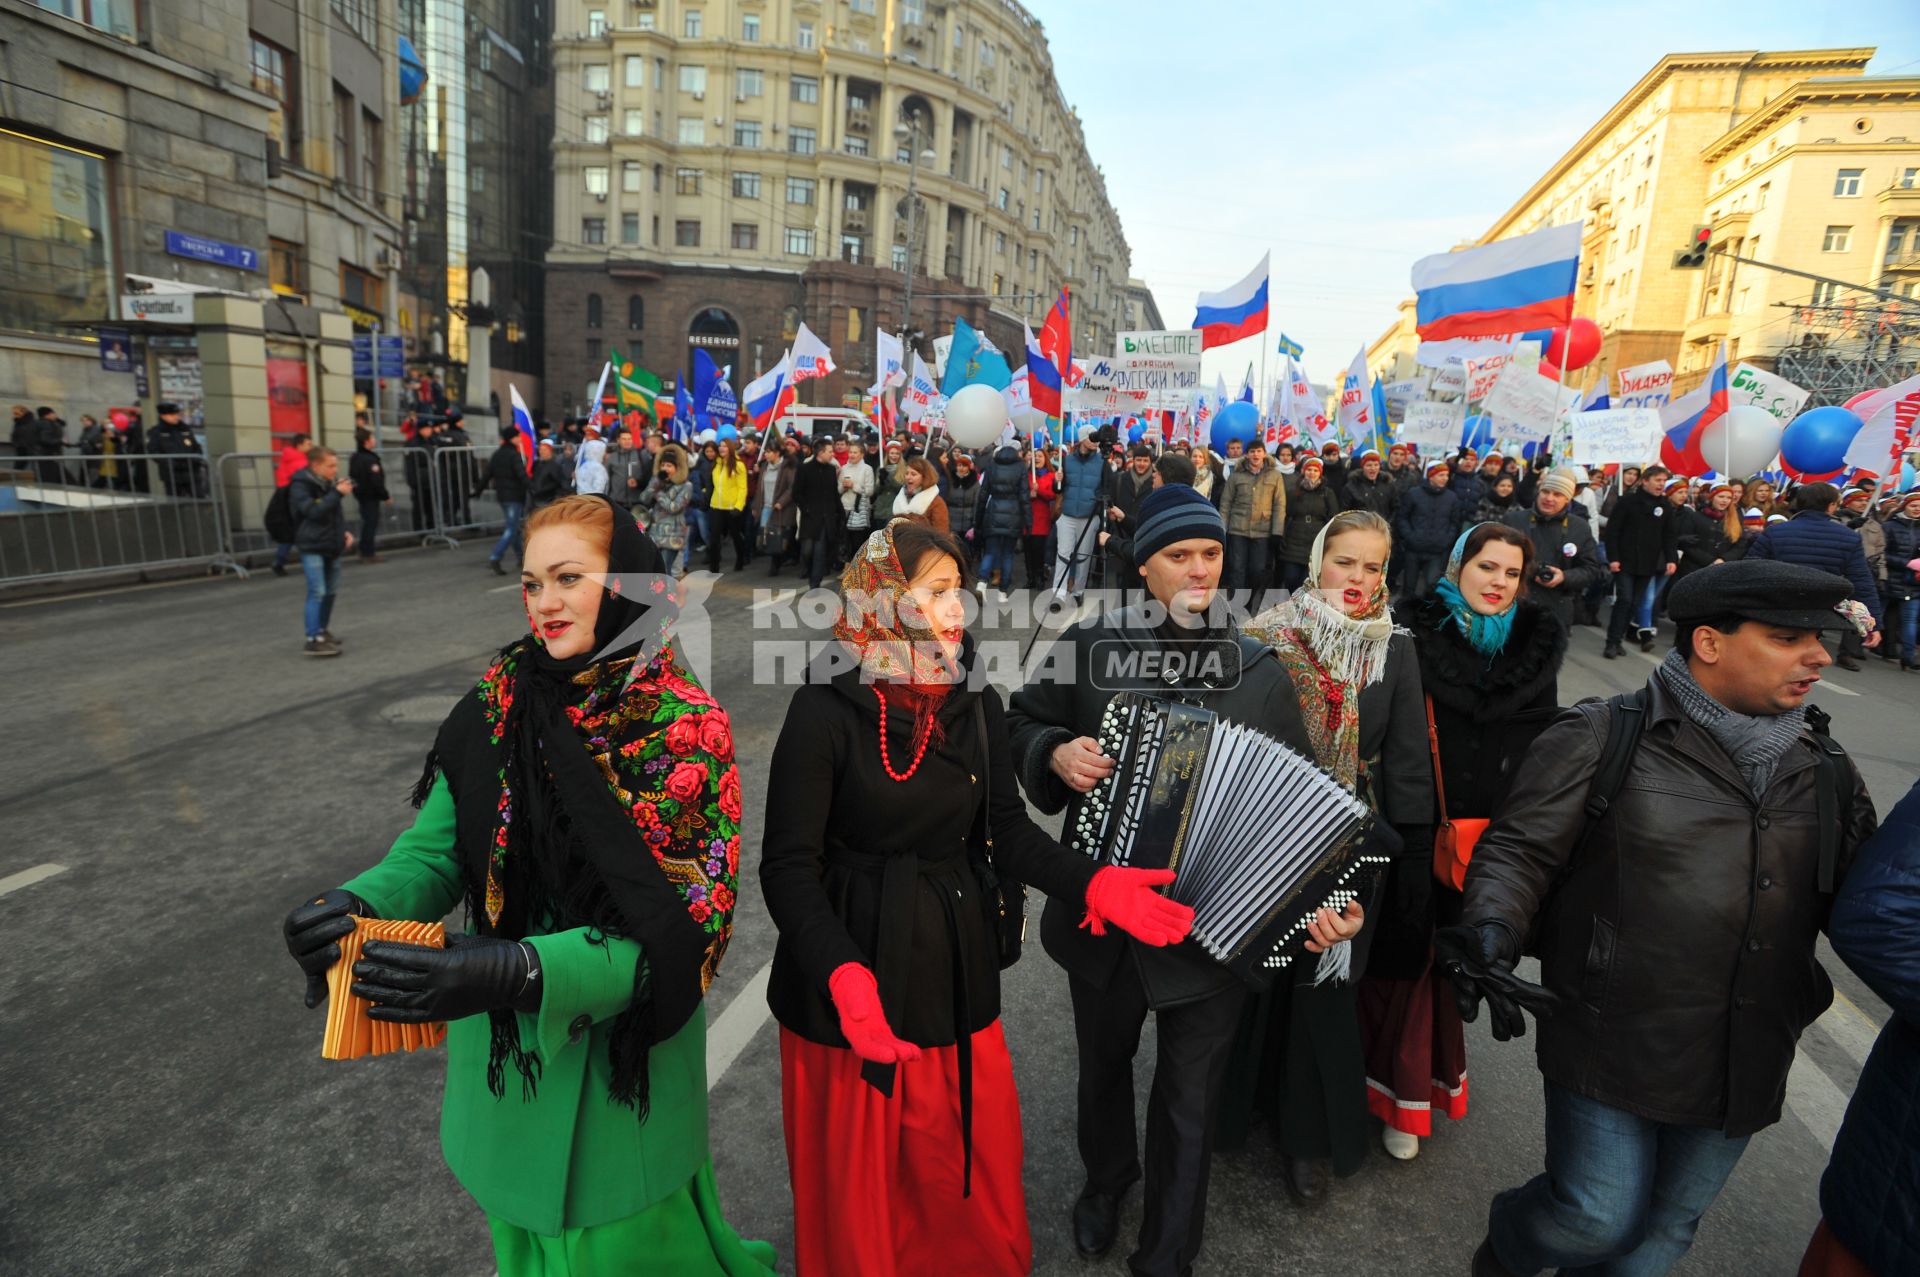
x,y
1489,662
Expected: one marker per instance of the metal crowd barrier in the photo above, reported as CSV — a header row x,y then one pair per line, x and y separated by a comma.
x,y
74,517
456,470
246,482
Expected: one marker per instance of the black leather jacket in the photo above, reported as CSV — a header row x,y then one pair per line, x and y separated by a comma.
x,y
1680,932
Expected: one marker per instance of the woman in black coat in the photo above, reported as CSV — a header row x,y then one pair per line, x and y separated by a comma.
x,y
1489,665
894,805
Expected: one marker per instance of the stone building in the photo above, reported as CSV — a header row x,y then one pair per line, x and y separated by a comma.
x,y
726,170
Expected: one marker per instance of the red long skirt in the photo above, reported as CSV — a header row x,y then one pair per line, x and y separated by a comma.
x,y
1415,1048
877,1181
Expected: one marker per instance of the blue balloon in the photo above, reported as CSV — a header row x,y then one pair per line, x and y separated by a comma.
x,y
1816,441
728,432
1542,335
1235,421
1528,451
1136,432
1477,433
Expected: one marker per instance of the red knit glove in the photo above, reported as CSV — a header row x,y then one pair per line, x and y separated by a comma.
x,y
1127,899
857,998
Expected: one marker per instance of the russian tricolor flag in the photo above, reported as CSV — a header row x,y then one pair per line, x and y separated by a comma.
x,y
523,422
1688,417
1234,313
769,394
1048,358
1508,286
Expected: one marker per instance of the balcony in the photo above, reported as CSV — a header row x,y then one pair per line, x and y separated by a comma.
x,y
1899,201
1707,328
859,119
1731,226
857,221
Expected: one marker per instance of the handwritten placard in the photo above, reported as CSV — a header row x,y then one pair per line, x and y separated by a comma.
x,y
1433,425
1615,435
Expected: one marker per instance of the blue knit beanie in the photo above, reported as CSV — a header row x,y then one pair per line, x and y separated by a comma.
x,y
1174,512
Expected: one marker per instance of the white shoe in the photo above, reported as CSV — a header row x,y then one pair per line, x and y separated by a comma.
x,y
1399,1144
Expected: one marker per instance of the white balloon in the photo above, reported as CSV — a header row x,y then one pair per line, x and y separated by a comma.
x,y
1028,418
976,415
1743,441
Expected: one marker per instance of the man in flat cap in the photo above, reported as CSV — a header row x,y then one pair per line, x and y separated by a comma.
x,y
1671,856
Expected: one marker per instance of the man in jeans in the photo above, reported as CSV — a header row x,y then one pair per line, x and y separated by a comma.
x,y
1643,544
321,537
507,472
1676,927
1083,482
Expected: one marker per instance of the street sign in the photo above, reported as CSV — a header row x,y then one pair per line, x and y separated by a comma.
x,y
392,356
158,308
218,252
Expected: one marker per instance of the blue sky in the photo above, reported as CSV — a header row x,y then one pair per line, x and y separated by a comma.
x,y
1351,139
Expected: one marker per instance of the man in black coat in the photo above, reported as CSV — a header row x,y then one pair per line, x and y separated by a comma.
x,y
1115,981
1372,488
186,477
1566,562
26,436
1428,519
1124,494
369,477
321,538
816,496
506,473
1676,928
1643,545
417,468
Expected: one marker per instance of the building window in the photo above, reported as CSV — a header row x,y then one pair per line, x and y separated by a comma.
x,y
1760,200
1073,236
593,310
635,71
806,88
693,130
900,257
1838,239
593,230
690,24
861,6
596,23
856,145
596,129
629,228
749,83
746,186
658,171
1000,243
634,123
800,141
750,28
693,79
636,311
115,17
999,284
595,176
686,181
1825,293
1000,201
1897,239
359,15
686,233
746,235
371,149
803,35
630,177
346,121
799,241
594,75
746,133
1847,181
274,75
1908,178
644,19
594,347
286,268
800,190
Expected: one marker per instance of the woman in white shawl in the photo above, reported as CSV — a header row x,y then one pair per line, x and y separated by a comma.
x,y
590,472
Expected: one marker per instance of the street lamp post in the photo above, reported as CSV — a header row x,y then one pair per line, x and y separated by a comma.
x,y
908,136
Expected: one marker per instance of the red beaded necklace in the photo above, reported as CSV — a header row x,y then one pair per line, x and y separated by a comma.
x,y
919,751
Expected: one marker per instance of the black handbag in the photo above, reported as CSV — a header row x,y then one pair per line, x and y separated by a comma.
x,y
1005,899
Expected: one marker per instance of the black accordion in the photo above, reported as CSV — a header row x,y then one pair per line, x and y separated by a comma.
x,y
1258,836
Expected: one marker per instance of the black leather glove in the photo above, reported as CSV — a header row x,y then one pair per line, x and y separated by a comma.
x,y
412,983
1479,959
313,931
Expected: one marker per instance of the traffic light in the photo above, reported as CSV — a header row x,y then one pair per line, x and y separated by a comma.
x,y
1694,255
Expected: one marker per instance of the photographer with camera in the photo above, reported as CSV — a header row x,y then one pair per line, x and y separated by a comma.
x,y
1566,561
321,537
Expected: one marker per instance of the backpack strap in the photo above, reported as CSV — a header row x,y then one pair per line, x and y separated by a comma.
x,y
1830,794
1627,718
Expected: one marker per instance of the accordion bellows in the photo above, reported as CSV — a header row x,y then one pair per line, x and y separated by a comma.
x,y
350,1033
1258,836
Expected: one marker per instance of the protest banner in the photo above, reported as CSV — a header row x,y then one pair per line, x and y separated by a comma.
x,y
1610,435
1433,425
1136,384
1483,371
1449,379
1780,397
1177,344
1437,354
1533,404
1401,393
1645,386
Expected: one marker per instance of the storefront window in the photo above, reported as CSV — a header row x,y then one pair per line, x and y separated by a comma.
x,y
56,249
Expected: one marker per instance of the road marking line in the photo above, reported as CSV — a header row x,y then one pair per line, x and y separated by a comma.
x,y
728,1035
27,877
1815,1100
1851,1029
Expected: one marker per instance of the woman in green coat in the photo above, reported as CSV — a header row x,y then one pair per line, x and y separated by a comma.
x,y
582,802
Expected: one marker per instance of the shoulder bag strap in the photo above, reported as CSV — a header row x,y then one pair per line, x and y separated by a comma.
x,y
986,776
1433,747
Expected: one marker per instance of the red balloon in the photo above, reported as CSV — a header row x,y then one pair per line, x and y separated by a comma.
x,y
120,419
1583,335
1848,405
1800,476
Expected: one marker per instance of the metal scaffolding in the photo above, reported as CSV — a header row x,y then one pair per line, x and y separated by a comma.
x,y
1851,344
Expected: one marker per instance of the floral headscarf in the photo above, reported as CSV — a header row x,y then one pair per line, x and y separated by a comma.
x,y
1331,657
881,624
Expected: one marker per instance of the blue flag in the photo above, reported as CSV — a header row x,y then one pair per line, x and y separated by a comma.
x,y
706,374
970,363
1290,347
682,412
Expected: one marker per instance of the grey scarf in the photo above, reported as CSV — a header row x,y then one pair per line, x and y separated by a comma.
x,y
1756,744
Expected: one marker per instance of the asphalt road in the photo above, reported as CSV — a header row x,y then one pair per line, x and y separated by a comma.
x,y
177,776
